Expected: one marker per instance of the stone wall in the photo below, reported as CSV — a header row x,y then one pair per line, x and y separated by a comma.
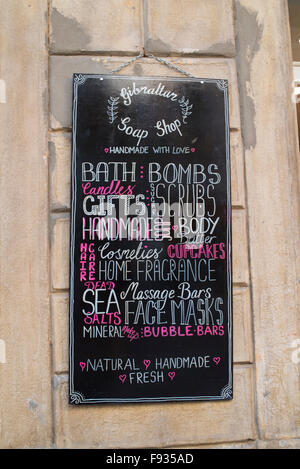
x,y
245,41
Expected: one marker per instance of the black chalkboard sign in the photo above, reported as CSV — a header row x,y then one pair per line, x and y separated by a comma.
x,y
150,270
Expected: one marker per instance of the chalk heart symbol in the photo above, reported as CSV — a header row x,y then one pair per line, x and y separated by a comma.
x,y
193,149
106,150
171,375
175,227
217,360
122,378
147,363
82,365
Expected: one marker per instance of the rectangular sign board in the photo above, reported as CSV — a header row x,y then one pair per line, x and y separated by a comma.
x,y
150,266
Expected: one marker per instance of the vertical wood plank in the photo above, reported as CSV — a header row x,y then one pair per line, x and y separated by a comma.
x,y
25,377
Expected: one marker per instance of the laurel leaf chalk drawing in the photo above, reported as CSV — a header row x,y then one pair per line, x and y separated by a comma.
x,y
112,108
186,108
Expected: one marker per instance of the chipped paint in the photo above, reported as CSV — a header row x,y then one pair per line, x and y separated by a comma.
x,y
224,49
32,405
157,45
138,69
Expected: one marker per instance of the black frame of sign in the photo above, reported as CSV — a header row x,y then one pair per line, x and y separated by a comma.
x,y
75,394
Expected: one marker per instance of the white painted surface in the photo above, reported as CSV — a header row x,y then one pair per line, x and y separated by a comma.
x,y
2,92
2,351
